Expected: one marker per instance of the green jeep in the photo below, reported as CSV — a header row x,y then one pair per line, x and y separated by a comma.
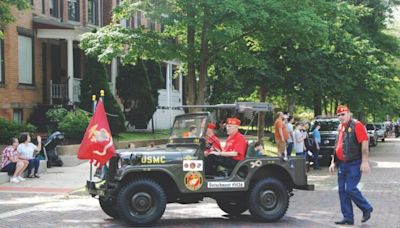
x,y
138,183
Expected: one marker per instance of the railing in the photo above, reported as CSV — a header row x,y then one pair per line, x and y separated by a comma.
x,y
77,90
58,91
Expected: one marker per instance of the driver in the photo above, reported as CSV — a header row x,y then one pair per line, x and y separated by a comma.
x,y
233,152
212,141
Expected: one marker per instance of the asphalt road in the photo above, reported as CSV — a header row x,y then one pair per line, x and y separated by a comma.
x,y
307,208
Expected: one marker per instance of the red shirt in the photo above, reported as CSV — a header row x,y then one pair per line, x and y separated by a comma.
x,y
215,143
236,142
361,135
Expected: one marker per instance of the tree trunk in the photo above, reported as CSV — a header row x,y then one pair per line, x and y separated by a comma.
x,y
291,101
202,88
317,104
190,83
261,116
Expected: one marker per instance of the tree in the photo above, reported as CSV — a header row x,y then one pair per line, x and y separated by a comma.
x,y
94,80
138,93
5,11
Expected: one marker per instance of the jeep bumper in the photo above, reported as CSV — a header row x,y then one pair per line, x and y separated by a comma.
x,y
94,189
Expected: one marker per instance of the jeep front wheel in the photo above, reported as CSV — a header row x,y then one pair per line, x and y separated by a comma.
x,y
268,200
141,202
232,207
108,206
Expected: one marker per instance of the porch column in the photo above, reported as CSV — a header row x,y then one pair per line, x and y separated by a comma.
x,y
114,76
169,88
180,89
70,70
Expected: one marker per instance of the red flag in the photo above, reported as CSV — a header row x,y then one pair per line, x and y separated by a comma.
x,y
97,144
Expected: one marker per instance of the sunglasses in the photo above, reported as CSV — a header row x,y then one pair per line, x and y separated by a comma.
x,y
341,114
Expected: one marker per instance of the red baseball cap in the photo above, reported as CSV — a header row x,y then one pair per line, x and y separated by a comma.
x,y
342,108
211,126
233,121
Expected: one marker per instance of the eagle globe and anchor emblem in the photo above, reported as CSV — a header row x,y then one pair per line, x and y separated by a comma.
x,y
99,136
193,180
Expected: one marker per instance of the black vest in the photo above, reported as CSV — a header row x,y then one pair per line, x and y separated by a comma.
x,y
351,147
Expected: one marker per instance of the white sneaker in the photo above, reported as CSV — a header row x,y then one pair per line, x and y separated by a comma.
x,y
14,180
21,178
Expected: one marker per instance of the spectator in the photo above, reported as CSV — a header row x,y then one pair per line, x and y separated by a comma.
x,y
258,149
316,141
27,151
290,141
12,164
299,140
281,136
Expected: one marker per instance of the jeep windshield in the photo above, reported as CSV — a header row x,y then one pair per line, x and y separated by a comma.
x,y
189,126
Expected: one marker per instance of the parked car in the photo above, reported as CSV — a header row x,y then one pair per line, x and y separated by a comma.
x,y
381,130
373,134
328,131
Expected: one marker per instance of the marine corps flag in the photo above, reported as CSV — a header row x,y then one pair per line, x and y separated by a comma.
x,y
97,144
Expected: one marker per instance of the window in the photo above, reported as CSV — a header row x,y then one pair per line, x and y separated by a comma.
x,y
25,63
53,8
1,62
73,10
94,12
17,115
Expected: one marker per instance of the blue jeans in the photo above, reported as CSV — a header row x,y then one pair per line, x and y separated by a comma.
x,y
316,157
289,149
349,175
33,163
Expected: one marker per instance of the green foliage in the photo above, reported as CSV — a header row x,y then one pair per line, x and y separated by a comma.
x,y
55,116
10,129
73,125
138,89
5,11
93,81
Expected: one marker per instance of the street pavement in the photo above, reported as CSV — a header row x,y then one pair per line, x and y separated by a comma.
x,y
58,199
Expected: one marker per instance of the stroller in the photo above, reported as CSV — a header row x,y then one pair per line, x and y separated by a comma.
x,y
49,150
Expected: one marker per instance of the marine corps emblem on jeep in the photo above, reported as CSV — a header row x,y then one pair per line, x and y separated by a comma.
x,y
193,181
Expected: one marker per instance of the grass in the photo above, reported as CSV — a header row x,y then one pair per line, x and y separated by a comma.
x,y
136,136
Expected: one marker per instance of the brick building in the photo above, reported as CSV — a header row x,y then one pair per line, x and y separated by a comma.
x,y
41,62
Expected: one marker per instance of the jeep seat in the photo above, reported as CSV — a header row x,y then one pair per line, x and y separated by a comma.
x,y
249,153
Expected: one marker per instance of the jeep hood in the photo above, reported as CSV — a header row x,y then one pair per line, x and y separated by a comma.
x,y
156,155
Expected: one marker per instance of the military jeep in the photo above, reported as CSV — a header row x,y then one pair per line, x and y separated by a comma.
x,y
137,183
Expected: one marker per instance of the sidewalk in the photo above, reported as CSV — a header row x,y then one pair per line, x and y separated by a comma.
x,y
58,180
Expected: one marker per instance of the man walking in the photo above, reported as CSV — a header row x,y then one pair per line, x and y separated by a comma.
x,y
351,158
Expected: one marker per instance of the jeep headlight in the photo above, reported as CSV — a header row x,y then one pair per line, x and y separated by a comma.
x,y
119,163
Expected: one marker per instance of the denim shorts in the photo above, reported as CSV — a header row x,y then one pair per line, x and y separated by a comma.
x,y
10,168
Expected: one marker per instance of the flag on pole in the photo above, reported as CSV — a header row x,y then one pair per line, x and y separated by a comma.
x,y
97,144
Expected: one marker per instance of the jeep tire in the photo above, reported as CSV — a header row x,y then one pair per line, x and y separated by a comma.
x,y
141,202
268,200
108,206
232,207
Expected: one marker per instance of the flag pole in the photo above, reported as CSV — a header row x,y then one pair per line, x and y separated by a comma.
x,y
94,109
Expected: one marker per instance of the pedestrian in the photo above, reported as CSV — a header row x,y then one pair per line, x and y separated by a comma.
x,y
316,141
233,152
27,151
290,141
351,159
11,162
281,136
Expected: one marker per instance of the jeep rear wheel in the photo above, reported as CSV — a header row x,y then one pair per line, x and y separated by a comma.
x,y
108,206
141,202
268,200
232,207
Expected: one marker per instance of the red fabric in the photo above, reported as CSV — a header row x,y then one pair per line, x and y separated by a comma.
x,y
211,126
361,135
215,142
233,121
97,144
236,142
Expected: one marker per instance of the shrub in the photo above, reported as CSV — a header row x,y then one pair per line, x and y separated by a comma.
x,y
55,116
9,129
73,125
